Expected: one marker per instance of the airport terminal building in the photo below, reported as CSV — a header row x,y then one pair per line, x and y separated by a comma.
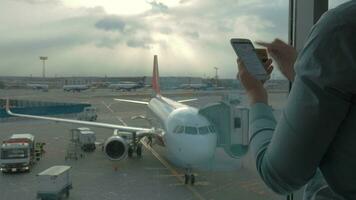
x,y
169,82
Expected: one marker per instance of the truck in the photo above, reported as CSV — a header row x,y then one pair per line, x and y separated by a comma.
x,y
88,114
17,153
54,182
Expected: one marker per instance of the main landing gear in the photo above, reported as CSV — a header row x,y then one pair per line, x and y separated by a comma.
x,y
135,148
189,177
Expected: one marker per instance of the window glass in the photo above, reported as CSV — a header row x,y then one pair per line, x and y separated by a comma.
x,y
237,122
191,130
180,129
175,129
61,57
13,153
203,130
335,3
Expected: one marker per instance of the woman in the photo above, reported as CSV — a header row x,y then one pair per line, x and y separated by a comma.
x,y
317,129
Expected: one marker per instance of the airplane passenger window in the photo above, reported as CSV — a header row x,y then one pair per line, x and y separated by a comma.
x,y
179,129
191,130
175,129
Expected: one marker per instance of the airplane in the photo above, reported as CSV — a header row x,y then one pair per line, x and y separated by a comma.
x,y
36,86
75,88
188,137
194,86
126,86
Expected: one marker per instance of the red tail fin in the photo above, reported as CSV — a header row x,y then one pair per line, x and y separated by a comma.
x,y
155,77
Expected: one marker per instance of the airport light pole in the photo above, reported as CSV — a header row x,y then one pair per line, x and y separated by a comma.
x,y
43,58
216,75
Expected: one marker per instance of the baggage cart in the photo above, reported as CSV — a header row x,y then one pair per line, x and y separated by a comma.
x,y
54,183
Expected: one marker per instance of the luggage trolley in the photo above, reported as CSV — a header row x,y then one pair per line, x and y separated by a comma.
x,y
73,148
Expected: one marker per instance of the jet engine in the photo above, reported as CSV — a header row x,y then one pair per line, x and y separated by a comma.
x,y
116,148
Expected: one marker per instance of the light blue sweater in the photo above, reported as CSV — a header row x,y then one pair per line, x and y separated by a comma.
x,y
318,125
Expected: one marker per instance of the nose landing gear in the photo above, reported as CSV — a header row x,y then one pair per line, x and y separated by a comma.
x,y
189,177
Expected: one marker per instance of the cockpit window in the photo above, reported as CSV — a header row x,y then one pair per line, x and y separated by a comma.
x,y
178,129
203,130
212,129
191,130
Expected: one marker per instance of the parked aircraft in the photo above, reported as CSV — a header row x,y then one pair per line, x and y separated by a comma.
x,y
194,86
126,86
75,88
35,86
188,137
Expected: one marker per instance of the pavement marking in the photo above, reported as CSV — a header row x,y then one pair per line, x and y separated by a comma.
x,y
112,111
249,185
107,106
196,194
120,120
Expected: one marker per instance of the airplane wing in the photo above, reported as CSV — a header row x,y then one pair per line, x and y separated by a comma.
x,y
186,100
132,101
96,124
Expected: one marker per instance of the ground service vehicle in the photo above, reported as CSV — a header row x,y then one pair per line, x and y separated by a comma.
x,y
84,137
88,114
18,153
54,182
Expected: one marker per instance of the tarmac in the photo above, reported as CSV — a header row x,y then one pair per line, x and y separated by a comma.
x,y
149,177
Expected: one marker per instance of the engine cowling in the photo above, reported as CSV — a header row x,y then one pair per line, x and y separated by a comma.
x,y
116,148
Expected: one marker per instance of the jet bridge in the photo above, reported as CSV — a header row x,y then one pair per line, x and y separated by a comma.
x,y
231,124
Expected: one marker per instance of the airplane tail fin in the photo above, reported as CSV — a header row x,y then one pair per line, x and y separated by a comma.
x,y
155,77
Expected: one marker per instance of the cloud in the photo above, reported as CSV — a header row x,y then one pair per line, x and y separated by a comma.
x,y
192,34
184,1
190,40
165,30
111,23
108,42
144,43
158,6
40,1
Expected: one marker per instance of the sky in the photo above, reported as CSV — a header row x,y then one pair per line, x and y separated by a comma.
x,y
120,37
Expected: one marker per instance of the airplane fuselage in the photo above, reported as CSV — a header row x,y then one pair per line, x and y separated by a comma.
x,y
189,138
75,88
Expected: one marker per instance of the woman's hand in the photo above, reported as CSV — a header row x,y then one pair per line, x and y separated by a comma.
x,y
284,54
254,88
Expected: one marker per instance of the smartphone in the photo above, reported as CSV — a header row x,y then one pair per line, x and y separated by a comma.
x,y
245,50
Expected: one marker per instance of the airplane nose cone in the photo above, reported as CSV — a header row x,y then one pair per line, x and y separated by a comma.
x,y
199,149
205,150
